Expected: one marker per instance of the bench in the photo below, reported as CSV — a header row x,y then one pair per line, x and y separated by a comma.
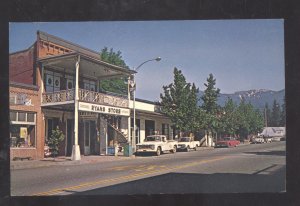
x,y
22,158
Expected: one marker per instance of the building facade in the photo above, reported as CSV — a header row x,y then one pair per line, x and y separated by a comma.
x,y
56,83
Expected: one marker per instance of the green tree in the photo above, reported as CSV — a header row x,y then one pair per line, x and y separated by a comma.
x,y
243,126
179,103
210,96
116,85
229,118
249,120
267,115
210,105
193,110
54,140
275,115
283,115
256,121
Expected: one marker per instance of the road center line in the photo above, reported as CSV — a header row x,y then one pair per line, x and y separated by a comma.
x,y
128,177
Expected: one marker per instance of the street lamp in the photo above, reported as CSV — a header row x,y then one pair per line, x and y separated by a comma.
x,y
134,84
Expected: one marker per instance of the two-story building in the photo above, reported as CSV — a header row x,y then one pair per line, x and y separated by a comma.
x,y
56,83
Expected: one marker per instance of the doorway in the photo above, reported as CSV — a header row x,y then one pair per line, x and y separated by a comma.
x,y
70,136
89,137
149,127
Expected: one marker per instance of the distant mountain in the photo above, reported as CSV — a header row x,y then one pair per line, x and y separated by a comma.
x,y
258,98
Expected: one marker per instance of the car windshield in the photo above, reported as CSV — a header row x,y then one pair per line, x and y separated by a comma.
x,y
153,138
184,139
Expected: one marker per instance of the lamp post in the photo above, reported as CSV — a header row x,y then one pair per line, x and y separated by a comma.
x,y
133,142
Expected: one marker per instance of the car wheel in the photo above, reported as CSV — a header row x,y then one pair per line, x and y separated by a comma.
x,y
188,148
174,149
158,151
195,148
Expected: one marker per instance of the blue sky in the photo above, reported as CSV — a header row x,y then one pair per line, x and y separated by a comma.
x,y
241,54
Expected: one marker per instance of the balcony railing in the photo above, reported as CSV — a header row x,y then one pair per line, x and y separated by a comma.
x,y
58,96
85,96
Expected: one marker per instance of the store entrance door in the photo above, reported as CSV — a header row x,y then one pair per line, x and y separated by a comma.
x,y
93,137
89,137
70,132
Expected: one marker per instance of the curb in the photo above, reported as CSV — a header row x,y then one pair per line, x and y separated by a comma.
x,y
30,164
48,163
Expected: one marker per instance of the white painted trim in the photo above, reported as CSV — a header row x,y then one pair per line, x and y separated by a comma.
x,y
57,103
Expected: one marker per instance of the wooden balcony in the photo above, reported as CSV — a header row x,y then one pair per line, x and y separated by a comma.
x,y
68,96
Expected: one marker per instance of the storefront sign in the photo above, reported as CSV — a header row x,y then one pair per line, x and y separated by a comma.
x,y
103,109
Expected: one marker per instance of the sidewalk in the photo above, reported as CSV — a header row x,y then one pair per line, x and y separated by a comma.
x,y
61,160
58,161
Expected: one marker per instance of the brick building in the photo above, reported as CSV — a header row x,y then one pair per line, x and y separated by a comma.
x,y
57,83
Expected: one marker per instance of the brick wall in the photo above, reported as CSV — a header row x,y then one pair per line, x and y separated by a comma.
x,y
21,66
33,94
46,49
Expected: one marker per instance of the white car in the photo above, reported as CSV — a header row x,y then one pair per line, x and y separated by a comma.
x,y
156,144
187,143
268,139
258,140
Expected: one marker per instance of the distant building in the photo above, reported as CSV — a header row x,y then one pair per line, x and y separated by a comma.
x,y
273,132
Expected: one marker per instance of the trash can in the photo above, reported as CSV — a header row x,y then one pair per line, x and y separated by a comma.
x,y
127,150
110,150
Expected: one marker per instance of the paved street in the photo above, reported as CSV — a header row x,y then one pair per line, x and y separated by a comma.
x,y
246,168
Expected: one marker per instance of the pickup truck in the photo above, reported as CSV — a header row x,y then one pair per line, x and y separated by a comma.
x,y
187,143
227,142
156,144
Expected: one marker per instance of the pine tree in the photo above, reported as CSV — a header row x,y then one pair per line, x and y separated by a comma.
x,y
210,96
283,115
210,105
193,108
267,115
229,118
275,116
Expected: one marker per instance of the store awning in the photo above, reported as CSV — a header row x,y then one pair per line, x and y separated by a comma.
x,y
89,66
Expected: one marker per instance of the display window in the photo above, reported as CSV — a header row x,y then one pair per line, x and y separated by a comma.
x,y
22,129
165,130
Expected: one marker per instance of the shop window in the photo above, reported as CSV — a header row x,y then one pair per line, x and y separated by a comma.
x,y
30,117
22,129
165,129
21,116
13,116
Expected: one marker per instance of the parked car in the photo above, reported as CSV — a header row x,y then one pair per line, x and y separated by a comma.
x,y
156,144
227,142
276,139
268,139
187,143
258,140
283,138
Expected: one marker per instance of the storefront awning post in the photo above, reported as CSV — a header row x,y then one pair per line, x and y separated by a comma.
x,y
76,149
